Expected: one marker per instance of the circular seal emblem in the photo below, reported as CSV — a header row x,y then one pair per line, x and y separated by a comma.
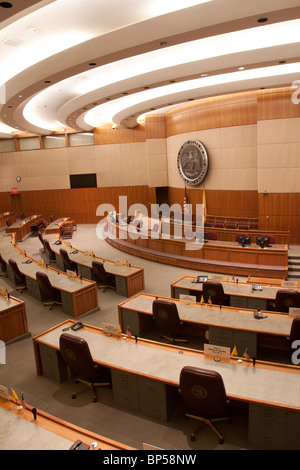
x,y
199,392
192,162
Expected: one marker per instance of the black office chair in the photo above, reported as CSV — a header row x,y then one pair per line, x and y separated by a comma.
x,y
49,251
204,398
166,320
3,267
103,279
76,354
286,298
215,292
68,264
19,277
48,290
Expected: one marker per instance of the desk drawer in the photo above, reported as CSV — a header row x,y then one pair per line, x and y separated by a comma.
x,y
267,427
53,365
125,390
221,336
157,400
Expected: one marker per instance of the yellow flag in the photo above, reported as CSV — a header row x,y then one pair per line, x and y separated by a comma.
x,y
202,300
204,205
120,330
15,396
234,352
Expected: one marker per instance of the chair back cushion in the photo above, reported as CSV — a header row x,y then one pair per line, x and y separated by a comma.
x,y
76,353
203,392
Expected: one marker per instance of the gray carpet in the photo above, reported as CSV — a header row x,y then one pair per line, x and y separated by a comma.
x,y
104,417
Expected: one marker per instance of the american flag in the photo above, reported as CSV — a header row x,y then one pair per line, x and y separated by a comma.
x,y
185,202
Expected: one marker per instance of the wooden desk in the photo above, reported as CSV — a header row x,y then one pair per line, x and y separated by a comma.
x,y
271,390
23,227
227,326
5,216
214,256
13,319
54,227
241,294
78,296
46,432
129,279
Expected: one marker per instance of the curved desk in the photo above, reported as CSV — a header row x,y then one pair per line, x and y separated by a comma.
x,y
79,296
241,294
129,279
146,365
13,319
47,432
227,326
23,227
214,256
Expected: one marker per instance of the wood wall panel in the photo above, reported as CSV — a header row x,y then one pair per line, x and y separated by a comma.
x,y
220,203
276,104
107,135
79,204
155,126
280,212
211,113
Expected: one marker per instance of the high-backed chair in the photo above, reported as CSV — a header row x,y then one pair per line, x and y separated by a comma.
x,y
3,267
214,291
42,241
76,354
271,237
104,279
243,227
219,225
166,320
68,264
48,290
20,277
286,298
204,397
231,226
49,250
211,235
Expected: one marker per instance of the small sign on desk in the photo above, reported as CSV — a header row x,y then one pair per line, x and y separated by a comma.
x,y
216,351
294,311
187,298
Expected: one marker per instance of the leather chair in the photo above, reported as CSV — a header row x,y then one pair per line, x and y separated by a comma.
x,y
211,235
166,320
286,298
104,279
294,336
231,226
214,291
42,241
243,227
48,290
76,354
219,225
49,250
68,264
204,398
3,267
19,277
271,238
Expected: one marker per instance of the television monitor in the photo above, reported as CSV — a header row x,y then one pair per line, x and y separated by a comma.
x,y
263,241
244,240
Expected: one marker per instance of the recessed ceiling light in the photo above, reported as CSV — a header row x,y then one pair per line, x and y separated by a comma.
x,y
5,4
262,20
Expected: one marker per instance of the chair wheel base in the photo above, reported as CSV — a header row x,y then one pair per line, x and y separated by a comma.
x,y
221,441
192,437
73,396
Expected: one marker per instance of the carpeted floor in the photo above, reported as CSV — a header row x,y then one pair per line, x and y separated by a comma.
x,y
104,417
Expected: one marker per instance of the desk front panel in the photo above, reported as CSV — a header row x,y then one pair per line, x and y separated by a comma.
x,y
13,319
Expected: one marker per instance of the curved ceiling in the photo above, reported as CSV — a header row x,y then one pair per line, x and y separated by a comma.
x,y
69,64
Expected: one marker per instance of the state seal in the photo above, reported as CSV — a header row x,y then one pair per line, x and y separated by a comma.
x,y
192,162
